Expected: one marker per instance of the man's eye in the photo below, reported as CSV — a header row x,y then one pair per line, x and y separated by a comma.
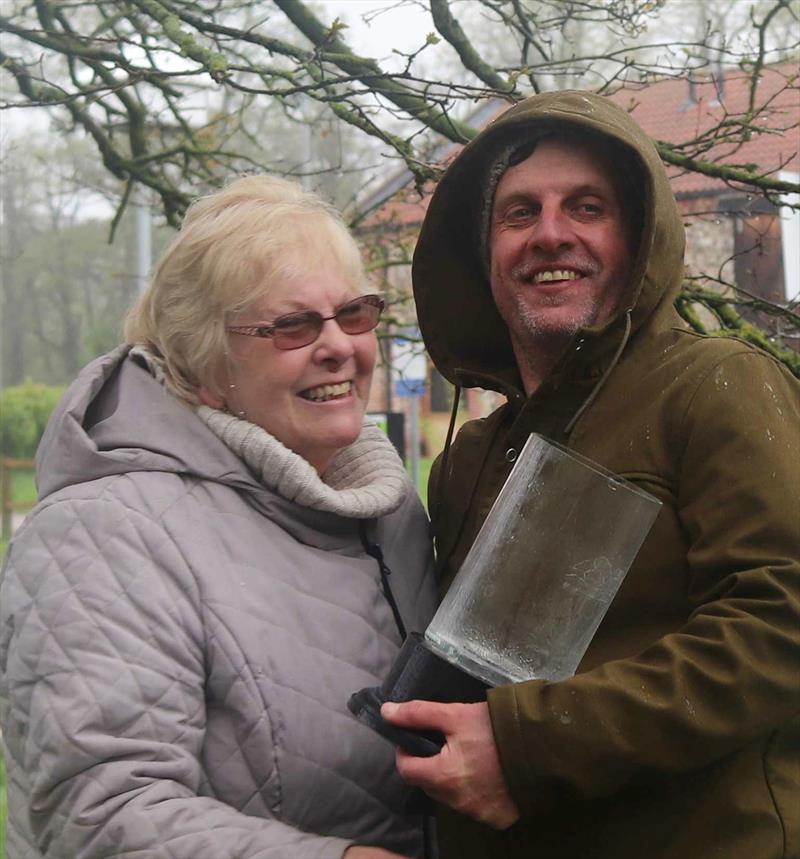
x,y
590,208
518,214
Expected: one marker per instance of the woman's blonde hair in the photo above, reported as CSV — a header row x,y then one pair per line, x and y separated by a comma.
x,y
233,247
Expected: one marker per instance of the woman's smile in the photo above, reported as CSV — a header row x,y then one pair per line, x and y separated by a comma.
x,y
327,392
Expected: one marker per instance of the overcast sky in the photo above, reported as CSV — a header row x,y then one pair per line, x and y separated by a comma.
x,y
400,25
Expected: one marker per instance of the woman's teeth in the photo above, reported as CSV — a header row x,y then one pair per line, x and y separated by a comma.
x,y
326,392
559,274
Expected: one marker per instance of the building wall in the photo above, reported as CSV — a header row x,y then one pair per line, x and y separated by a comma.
x,y
737,239
710,238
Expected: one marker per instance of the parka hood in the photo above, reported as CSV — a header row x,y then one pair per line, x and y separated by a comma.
x,y
116,418
464,334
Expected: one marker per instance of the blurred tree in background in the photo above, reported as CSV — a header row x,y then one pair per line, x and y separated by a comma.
x,y
172,97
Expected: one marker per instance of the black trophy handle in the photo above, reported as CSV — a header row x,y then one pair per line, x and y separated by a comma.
x,y
365,705
417,673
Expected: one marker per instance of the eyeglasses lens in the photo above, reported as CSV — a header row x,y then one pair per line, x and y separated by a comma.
x,y
299,329
296,330
358,316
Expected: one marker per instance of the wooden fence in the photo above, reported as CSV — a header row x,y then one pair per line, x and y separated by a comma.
x,y
7,503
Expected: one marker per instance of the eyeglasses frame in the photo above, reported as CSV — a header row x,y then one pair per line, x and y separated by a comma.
x,y
266,331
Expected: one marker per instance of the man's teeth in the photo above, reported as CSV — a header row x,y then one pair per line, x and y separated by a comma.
x,y
558,274
327,392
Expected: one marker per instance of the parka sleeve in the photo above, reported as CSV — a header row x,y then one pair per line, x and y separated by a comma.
x,y
729,676
102,697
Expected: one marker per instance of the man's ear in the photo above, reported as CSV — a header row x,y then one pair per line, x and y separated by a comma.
x,y
209,397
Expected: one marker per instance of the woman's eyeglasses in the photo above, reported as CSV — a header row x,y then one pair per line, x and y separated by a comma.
x,y
295,330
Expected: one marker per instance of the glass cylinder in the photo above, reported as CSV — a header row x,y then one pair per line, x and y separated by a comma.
x,y
544,568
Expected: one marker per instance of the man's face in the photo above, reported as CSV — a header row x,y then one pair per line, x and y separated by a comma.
x,y
559,255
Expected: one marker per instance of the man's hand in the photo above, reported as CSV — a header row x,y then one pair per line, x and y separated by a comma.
x,y
466,774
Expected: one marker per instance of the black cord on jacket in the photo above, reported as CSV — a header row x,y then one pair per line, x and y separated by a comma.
x,y
375,551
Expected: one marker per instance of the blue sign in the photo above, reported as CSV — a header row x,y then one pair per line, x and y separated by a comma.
x,y
409,364
409,387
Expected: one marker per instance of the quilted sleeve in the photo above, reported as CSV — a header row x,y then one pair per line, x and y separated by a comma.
x,y
728,676
102,697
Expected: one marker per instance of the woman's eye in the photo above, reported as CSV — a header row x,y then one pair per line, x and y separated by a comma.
x,y
349,311
293,322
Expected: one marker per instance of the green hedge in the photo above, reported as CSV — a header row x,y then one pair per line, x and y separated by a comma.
x,y
24,411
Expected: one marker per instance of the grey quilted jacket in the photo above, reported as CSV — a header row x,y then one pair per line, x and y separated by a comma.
x,y
178,643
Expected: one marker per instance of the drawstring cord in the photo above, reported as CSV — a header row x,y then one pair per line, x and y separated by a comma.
x,y
375,551
599,386
587,402
437,502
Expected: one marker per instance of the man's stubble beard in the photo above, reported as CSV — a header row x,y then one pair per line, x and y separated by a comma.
x,y
538,345
536,324
539,330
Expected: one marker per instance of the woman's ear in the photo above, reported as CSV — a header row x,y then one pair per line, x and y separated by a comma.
x,y
210,398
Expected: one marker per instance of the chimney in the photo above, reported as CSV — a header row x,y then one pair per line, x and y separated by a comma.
x,y
691,98
719,86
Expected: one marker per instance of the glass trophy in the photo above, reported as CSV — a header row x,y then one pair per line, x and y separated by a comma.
x,y
533,589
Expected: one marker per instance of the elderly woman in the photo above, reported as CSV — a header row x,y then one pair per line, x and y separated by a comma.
x,y
206,577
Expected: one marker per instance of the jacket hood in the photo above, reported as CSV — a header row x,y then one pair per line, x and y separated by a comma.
x,y
116,418
448,272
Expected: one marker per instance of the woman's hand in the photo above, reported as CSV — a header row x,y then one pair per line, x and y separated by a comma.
x,y
370,853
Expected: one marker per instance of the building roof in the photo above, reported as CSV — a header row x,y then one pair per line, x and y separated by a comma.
x,y
670,110
676,111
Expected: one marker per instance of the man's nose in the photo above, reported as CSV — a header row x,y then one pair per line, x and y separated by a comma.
x,y
552,230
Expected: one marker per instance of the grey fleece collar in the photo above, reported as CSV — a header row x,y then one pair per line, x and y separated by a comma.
x,y
365,480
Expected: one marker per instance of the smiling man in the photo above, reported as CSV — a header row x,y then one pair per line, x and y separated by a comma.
x,y
559,248
556,239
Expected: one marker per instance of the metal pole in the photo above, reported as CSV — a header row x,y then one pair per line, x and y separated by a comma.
x,y
415,440
306,180
144,243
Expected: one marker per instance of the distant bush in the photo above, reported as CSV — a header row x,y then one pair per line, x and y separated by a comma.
x,y
24,411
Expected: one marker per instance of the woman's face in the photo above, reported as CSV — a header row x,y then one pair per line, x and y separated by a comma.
x,y
282,390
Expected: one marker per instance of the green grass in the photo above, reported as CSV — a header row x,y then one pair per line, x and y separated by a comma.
x,y
425,464
23,486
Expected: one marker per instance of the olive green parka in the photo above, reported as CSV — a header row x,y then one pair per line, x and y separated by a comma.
x,y
679,736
